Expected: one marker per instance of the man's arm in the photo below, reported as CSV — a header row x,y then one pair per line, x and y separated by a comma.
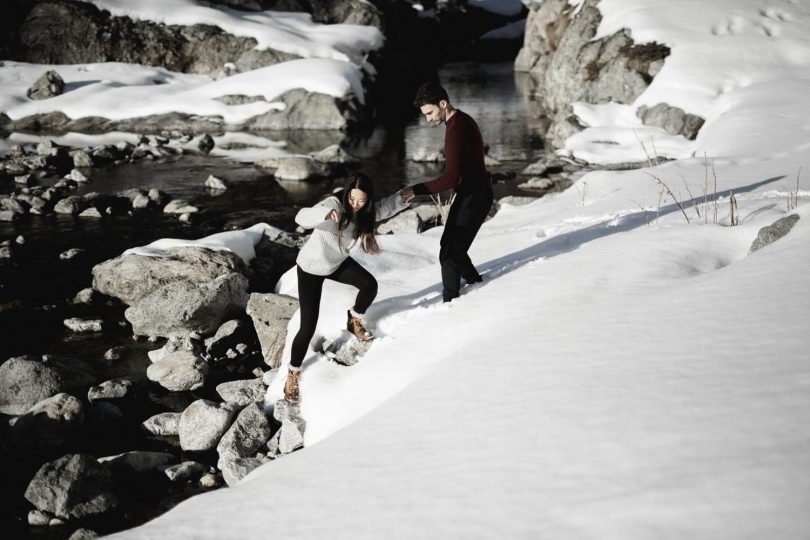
x,y
452,166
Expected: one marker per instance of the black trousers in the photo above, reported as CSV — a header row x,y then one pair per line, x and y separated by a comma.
x,y
465,218
310,287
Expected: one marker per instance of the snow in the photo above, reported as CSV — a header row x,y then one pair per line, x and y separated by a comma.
x,y
624,371
293,33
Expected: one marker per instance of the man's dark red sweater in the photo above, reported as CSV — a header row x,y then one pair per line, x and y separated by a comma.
x,y
464,169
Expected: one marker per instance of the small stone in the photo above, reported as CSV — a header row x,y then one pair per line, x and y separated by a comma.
x,y
83,534
39,518
537,183
216,183
114,354
163,424
210,480
85,296
20,240
91,212
84,325
179,206
186,471
141,202
112,389
206,143
78,176
71,254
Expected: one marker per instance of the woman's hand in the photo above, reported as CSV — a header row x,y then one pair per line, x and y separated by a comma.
x,y
406,195
332,215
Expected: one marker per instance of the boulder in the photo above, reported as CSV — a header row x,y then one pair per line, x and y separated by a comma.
x,y
112,389
84,325
186,471
27,380
164,424
50,84
673,120
271,313
50,423
773,232
72,487
234,471
248,433
299,168
179,371
203,423
243,392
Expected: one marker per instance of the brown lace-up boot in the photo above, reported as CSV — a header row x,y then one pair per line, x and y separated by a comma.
x,y
356,327
291,386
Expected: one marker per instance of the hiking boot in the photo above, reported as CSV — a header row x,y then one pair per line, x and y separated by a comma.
x,y
356,327
291,386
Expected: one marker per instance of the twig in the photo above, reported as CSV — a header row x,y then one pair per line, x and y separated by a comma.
x,y
691,197
735,215
674,198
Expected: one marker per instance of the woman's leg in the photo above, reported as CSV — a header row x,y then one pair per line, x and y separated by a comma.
x,y
351,273
310,287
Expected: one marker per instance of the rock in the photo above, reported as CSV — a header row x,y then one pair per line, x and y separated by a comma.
x,y
137,462
206,144
71,205
537,183
248,433
179,371
8,215
535,169
180,206
210,480
234,471
81,159
114,353
164,424
309,111
334,154
49,423
26,180
71,254
181,307
83,534
427,155
112,389
84,325
673,120
104,412
243,392
39,518
299,168
91,213
203,424
25,381
50,84
516,200
173,345
12,205
407,221
270,314
290,436
773,232
78,176
216,183
5,251
186,471
72,487
85,296
141,202
158,197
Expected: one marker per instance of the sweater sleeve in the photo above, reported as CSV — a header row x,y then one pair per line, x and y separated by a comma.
x,y
452,166
390,206
315,217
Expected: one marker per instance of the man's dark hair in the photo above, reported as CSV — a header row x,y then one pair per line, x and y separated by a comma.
x,y
430,94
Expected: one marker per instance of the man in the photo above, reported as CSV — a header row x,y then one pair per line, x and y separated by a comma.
x,y
464,172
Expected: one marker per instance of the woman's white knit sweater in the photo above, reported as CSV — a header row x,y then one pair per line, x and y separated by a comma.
x,y
323,253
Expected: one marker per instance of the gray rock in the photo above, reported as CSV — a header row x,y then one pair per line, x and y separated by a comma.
x,y
158,197
71,254
271,313
181,306
84,325
290,436
85,296
138,462
83,534
72,205
175,344
535,169
81,159
25,381
5,251
179,371
234,471
537,183
26,180
673,120
212,182
78,176
334,154
180,206
428,155
210,480
114,353
773,232
407,221
186,471
49,423
91,213
141,202
308,110
72,487
226,335
298,168
206,143
50,84
112,389
242,392
8,215
164,424
203,423
39,518
248,433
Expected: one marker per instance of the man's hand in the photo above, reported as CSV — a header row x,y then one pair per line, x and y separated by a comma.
x,y
406,195
332,215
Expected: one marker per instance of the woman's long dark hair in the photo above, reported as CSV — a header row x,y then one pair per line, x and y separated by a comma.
x,y
366,218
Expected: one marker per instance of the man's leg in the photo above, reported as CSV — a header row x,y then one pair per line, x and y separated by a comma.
x,y
463,223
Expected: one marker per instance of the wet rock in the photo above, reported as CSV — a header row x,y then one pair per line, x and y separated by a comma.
x,y
112,389
72,487
270,314
164,424
243,392
228,335
212,182
39,518
114,353
84,325
248,433
186,471
81,159
158,197
26,180
234,471
773,232
179,372
71,254
535,169
91,213
206,144
50,84
50,423
210,480
141,202
334,154
5,251
180,206
173,345
137,462
298,168
25,381
78,176
71,205
103,413
203,424
85,296
83,534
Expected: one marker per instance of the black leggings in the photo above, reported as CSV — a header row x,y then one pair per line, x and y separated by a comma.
x,y
310,287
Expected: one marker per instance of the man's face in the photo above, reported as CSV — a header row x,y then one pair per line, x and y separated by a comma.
x,y
435,114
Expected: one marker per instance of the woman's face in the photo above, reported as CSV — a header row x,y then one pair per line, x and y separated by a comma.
x,y
357,199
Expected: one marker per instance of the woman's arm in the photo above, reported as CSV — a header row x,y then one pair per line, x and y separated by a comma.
x,y
317,217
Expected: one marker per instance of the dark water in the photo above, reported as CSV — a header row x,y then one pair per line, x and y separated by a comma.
x,y
35,288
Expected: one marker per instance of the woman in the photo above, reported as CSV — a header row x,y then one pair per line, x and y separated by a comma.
x,y
339,223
